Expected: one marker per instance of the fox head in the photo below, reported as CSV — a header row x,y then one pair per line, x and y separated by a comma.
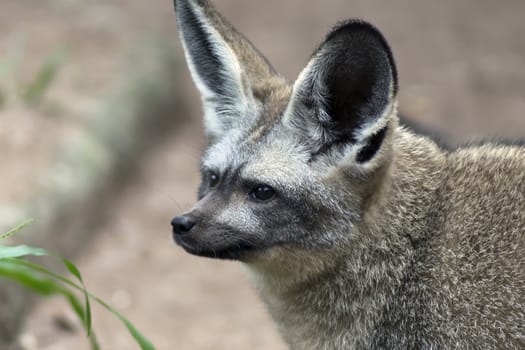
x,y
287,165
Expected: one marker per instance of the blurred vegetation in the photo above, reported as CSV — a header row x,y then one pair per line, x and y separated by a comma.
x,y
33,91
30,91
15,266
3,98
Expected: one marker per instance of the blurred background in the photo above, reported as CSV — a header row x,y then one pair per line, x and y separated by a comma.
x,y
100,136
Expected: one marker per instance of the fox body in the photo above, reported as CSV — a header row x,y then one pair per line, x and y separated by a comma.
x,y
356,232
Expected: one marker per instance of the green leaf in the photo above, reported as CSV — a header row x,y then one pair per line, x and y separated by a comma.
x,y
43,286
20,251
44,77
75,272
23,273
143,342
31,275
15,230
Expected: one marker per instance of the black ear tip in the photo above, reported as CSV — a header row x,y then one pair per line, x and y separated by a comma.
x,y
177,4
353,24
363,29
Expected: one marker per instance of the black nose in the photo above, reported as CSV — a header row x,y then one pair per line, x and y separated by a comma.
x,y
182,224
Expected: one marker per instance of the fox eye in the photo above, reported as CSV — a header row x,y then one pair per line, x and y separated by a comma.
x,y
213,179
262,193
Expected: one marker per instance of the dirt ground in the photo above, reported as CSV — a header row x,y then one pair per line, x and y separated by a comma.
x,y
462,72
90,46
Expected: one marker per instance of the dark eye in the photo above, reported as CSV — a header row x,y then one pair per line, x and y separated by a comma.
x,y
213,179
262,193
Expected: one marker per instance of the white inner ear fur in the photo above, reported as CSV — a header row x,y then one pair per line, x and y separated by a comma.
x,y
218,108
288,112
371,128
362,134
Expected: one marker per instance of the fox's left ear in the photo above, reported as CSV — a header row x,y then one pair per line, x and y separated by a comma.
x,y
346,94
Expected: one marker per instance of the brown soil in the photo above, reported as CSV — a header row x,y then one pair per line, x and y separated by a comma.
x,y
30,134
462,71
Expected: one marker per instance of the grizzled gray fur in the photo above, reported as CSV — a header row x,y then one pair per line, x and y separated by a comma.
x,y
356,232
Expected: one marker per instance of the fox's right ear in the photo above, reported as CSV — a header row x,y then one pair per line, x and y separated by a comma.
x,y
227,69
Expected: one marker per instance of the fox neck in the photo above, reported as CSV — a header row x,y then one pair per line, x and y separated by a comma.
x,y
311,297
310,293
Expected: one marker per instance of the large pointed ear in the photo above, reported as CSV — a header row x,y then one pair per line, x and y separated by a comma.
x,y
228,70
346,94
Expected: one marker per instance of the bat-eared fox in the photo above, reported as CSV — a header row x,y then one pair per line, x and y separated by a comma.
x,y
357,232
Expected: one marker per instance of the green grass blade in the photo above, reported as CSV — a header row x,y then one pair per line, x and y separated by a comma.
x,y
10,252
143,342
25,275
20,251
19,271
43,286
47,72
75,272
15,230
